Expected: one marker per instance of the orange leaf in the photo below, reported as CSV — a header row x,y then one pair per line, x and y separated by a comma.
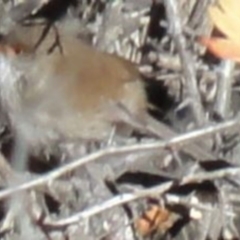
x,y
231,7
222,48
226,18
154,219
227,23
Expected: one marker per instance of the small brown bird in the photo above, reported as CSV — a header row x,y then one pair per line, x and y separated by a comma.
x,y
58,89
64,89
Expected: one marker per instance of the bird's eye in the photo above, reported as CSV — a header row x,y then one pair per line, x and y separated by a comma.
x,y
17,49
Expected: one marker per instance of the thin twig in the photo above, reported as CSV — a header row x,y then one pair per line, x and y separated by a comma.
x,y
113,202
158,145
175,28
6,172
223,99
129,197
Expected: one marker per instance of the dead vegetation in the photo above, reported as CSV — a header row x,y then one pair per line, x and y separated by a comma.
x,y
185,186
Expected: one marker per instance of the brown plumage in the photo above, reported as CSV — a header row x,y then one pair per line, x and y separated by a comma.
x,y
74,92
66,90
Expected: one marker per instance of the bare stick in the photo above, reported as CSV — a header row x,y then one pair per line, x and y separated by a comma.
x,y
129,197
110,151
175,28
223,100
